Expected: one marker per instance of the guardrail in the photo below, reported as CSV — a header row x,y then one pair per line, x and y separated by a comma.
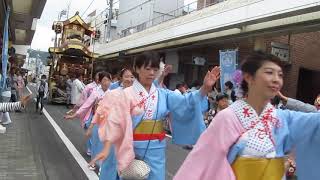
x,y
182,11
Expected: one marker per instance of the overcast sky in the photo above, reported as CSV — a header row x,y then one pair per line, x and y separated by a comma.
x,y
43,37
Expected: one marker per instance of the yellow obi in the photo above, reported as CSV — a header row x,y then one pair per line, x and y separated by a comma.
x,y
258,168
146,126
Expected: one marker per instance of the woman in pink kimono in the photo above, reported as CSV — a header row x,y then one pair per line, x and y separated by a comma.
x,y
88,89
250,139
133,119
89,104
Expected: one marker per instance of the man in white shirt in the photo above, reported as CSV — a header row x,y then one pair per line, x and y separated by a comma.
x,y
76,89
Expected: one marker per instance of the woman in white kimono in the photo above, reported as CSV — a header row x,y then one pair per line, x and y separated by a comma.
x,y
133,119
249,139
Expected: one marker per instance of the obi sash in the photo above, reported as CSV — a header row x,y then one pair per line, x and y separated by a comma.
x,y
258,168
149,130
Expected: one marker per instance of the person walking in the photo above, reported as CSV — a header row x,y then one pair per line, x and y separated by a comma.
x,y
42,87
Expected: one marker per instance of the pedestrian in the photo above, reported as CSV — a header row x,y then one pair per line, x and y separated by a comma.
x,y
42,92
131,113
251,136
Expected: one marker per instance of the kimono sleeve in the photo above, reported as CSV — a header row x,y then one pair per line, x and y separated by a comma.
x,y
187,118
296,105
208,159
118,127
86,106
108,118
304,134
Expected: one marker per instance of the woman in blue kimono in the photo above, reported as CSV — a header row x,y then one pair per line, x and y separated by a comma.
x,y
137,113
250,139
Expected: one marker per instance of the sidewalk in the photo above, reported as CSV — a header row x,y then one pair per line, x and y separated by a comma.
x,y
18,159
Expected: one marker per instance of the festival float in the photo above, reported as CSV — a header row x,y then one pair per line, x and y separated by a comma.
x,y
71,55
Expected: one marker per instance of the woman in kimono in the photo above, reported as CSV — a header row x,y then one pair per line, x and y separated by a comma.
x,y
249,139
86,118
108,170
85,94
126,79
133,119
89,105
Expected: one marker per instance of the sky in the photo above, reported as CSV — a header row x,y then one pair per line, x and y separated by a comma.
x,y
44,36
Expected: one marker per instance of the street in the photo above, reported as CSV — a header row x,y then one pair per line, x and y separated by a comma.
x,y
35,148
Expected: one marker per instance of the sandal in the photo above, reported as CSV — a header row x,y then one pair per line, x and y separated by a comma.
x,y
92,167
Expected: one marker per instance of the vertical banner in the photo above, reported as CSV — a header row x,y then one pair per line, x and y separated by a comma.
x,y
5,49
228,60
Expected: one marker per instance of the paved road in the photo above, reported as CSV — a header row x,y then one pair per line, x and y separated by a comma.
x,y
49,156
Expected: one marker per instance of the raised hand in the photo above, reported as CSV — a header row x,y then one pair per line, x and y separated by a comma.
x,y
210,79
167,69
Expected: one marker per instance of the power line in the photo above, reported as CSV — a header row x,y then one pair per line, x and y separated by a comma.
x,y
104,11
134,7
87,7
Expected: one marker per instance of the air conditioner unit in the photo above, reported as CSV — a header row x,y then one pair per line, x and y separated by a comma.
x,y
200,61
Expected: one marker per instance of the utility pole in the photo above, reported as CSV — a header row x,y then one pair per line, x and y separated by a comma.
x,y
68,9
109,20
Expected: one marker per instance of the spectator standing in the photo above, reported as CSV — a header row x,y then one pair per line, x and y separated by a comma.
x,y
20,84
230,91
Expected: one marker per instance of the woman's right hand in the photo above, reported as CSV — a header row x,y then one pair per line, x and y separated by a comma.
x,y
103,154
88,133
70,117
283,98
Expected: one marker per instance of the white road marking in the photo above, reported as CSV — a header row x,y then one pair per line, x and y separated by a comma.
x,y
73,150
29,90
